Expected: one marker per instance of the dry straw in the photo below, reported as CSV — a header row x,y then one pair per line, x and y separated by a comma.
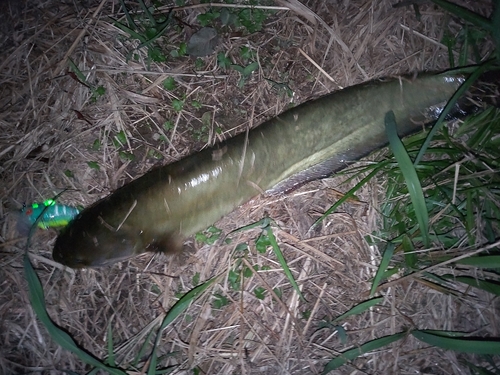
x,y
56,133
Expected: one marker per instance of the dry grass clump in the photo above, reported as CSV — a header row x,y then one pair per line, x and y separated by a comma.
x,y
57,134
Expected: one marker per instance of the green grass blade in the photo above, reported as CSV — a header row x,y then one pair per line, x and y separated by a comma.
x,y
63,339
141,353
439,284
262,223
448,107
351,192
282,261
265,225
470,217
410,176
148,13
359,308
130,20
384,263
487,261
342,334
111,354
177,309
131,32
465,14
452,341
238,68
448,40
495,29
481,129
464,49
156,36
409,251
248,70
81,77
486,285
364,348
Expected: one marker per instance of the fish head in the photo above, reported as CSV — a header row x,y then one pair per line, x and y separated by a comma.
x,y
96,238
86,247
90,241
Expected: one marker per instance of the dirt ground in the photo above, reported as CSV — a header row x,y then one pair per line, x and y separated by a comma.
x,y
58,132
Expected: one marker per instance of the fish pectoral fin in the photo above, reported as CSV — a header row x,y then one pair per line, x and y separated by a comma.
x,y
166,243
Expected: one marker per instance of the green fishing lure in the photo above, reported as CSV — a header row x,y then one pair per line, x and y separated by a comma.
x,y
51,215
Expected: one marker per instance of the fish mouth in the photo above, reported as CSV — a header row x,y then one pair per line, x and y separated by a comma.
x,y
82,262
81,249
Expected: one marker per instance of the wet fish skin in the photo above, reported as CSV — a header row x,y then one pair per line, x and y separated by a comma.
x,y
157,211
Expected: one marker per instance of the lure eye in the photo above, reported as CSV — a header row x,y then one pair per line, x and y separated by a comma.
x,y
29,211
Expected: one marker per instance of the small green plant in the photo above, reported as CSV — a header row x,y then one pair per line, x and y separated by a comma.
x,y
120,139
240,271
259,292
175,311
224,61
209,236
126,156
278,292
245,71
234,278
96,145
220,301
249,19
168,125
119,142
281,87
77,75
305,314
252,19
94,165
262,243
170,84
241,248
152,153
201,133
246,54
208,18
266,239
199,64
196,104
180,51
178,104
147,29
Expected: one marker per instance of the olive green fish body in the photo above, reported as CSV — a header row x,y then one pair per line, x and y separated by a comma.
x,y
158,210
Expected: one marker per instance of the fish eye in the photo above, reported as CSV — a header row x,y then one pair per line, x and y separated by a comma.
x,y
79,262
